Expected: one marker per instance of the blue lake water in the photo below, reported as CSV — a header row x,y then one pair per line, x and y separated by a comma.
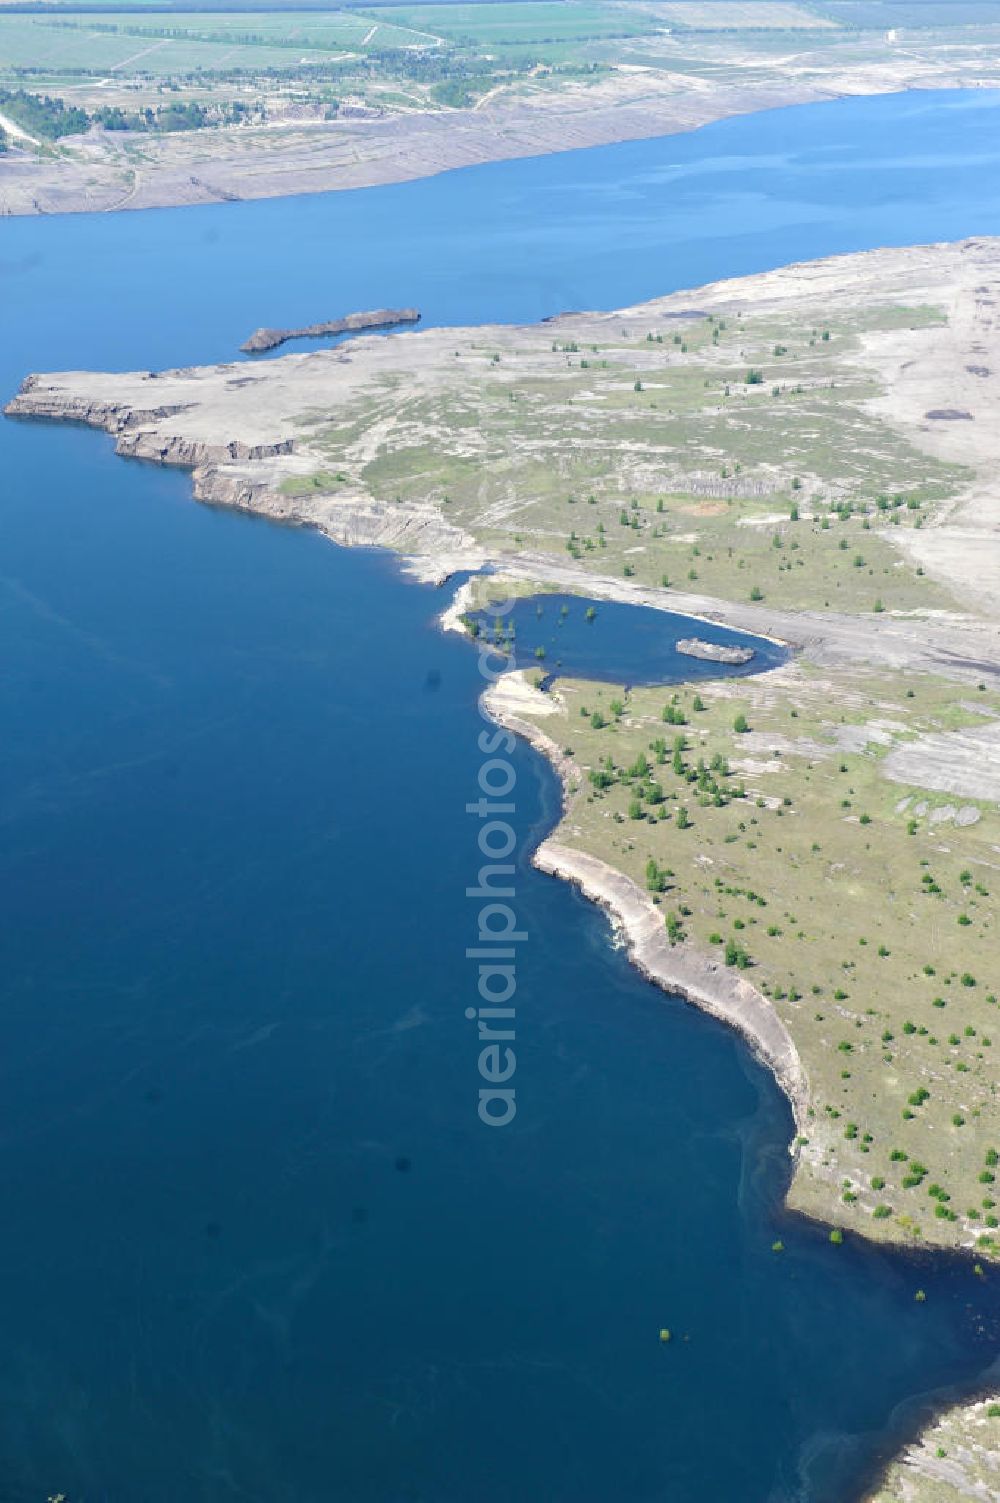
x,y
573,636
256,1242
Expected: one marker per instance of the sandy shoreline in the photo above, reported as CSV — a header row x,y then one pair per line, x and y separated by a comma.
x,y
223,165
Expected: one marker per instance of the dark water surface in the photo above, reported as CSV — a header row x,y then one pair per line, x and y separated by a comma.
x,y
256,1243
577,637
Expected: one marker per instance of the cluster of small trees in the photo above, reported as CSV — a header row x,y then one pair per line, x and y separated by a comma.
x,y
576,546
736,955
43,116
168,117
48,119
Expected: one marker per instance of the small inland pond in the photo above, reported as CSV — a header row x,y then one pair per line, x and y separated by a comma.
x,y
574,636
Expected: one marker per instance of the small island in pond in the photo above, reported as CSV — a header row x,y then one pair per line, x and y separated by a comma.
x,y
351,323
713,652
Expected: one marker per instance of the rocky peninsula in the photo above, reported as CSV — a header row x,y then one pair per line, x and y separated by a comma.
x,y
352,323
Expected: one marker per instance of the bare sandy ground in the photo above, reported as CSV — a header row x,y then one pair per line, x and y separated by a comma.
x,y
102,171
963,763
940,385
111,170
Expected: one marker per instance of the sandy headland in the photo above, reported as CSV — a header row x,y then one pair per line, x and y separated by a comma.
x,y
761,453
327,439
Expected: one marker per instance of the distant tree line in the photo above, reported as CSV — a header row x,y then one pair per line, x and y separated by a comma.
x,y
48,119
168,117
42,116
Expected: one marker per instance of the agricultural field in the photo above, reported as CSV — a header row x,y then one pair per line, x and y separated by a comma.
x,y
506,22
879,15
291,61
740,15
177,43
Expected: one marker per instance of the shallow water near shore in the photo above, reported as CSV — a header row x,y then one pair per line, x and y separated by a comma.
x,y
257,1242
